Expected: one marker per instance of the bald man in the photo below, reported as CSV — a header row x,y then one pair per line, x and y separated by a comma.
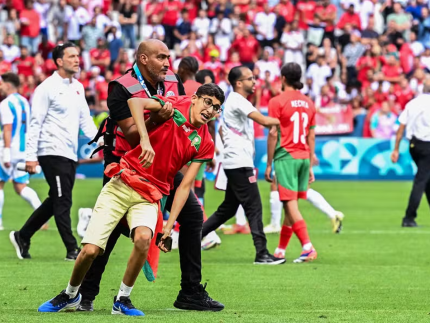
x,y
150,76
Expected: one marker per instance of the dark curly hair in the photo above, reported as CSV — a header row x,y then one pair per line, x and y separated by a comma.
x,y
213,90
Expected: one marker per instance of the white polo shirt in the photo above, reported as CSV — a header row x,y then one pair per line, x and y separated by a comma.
x,y
59,110
416,117
238,132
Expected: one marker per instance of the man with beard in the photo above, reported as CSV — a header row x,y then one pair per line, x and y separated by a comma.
x,y
150,76
238,163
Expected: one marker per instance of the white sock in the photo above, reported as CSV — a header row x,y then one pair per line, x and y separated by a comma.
x,y
280,250
317,200
240,216
124,290
72,291
275,209
31,197
307,246
1,206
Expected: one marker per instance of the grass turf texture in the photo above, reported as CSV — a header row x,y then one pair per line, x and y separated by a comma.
x,y
374,271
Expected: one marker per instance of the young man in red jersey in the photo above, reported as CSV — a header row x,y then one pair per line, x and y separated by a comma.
x,y
139,185
292,146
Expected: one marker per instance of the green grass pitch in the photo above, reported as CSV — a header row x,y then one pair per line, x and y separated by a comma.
x,y
375,271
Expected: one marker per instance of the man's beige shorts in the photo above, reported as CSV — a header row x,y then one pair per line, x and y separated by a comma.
x,y
115,200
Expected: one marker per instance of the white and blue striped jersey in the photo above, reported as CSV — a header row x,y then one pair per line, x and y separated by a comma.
x,y
15,110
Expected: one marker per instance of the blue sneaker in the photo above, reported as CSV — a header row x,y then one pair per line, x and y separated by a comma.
x,y
60,302
123,306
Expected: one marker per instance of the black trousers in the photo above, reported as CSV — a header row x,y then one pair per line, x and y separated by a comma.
x,y
242,189
190,235
60,174
420,152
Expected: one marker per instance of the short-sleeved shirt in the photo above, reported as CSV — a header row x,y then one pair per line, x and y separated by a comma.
x,y
416,118
296,113
175,143
15,110
238,132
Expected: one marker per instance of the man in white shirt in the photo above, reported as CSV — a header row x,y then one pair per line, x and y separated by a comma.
x,y
415,118
238,163
59,111
265,24
265,64
318,73
76,17
201,25
10,51
14,116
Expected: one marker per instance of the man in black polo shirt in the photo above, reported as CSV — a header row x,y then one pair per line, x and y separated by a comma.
x,y
153,63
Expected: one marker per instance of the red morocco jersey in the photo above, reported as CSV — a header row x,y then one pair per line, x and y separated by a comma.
x,y
296,113
175,143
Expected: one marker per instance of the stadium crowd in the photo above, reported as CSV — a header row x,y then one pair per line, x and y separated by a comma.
x,y
367,54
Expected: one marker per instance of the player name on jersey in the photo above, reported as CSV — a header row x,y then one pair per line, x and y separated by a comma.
x,y
299,104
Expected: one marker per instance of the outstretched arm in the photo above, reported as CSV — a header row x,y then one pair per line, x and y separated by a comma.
x,y
263,120
271,145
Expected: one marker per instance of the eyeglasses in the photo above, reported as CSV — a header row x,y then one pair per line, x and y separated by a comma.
x,y
252,78
209,104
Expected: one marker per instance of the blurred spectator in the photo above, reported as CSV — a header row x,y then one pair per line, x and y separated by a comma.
x,y
171,10
329,53
325,98
280,23
221,27
9,49
102,21
128,19
317,75
201,25
115,45
424,28
415,9
191,7
350,17
45,47
352,53
214,64
416,46
4,65
404,92
183,28
265,26
90,35
401,20
153,8
247,47
25,63
268,65
154,30
382,122
366,12
30,27
59,18
292,40
101,90
194,45
100,56
326,12
305,13
42,8
12,25
187,70
76,18
368,34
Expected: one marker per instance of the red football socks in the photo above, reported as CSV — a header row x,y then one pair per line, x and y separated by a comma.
x,y
301,231
284,239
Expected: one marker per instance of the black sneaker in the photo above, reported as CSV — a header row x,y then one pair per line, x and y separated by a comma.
x,y
85,306
197,300
268,259
72,255
21,247
409,223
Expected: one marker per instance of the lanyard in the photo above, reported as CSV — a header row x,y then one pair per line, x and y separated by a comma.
x,y
142,82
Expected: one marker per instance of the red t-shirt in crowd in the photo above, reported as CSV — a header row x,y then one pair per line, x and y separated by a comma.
x,y
287,11
49,67
46,50
306,11
192,9
102,90
391,70
215,67
157,7
347,18
372,61
175,143
25,65
403,96
296,113
100,54
171,13
5,67
85,82
406,58
324,12
31,16
246,47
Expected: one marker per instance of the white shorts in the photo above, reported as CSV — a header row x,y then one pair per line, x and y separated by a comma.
x,y
18,176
